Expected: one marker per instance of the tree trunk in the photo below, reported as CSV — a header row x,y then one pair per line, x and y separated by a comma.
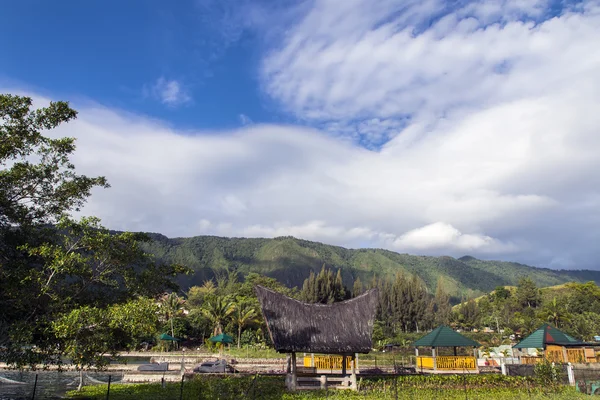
x,y
239,335
80,379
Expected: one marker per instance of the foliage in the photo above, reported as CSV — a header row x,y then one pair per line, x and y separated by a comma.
x,y
56,272
323,287
547,373
87,334
528,295
217,310
407,387
244,313
291,261
556,313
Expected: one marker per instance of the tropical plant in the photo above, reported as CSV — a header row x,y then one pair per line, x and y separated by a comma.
x,y
171,305
243,314
556,313
218,309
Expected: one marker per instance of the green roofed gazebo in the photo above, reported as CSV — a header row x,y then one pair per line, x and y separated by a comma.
x,y
444,336
556,345
545,335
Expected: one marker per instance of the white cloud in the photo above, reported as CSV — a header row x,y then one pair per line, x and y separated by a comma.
x,y
245,120
357,62
169,92
440,235
489,131
515,181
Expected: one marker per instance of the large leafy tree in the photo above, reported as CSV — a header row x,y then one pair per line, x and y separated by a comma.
x,y
51,266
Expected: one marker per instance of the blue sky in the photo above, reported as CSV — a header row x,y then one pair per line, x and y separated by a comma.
x,y
422,126
110,51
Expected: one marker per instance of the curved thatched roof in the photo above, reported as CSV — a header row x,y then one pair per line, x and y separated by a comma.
x,y
338,328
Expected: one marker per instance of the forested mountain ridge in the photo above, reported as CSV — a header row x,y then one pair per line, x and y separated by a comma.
x,y
291,260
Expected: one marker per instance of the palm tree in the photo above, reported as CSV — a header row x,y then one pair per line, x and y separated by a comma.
x,y
172,305
556,313
243,315
217,310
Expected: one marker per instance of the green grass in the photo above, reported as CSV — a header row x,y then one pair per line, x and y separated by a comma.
x,y
270,353
489,387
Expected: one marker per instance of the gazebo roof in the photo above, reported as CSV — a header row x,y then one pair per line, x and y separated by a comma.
x,y
442,336
339,328
544,335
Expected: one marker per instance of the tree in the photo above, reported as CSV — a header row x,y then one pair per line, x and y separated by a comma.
x,y
443,309
171,305
89,333
528,295
556,313
501,293
357,288
51,265
243,314
323,287
218,310
197,294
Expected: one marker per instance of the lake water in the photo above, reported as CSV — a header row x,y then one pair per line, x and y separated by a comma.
x,y
50,384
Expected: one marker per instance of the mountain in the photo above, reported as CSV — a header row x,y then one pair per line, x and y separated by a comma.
x,y
290,261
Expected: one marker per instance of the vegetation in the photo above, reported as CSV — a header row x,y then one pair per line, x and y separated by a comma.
x,y
572,307
72,289
406,387
291,261
67,287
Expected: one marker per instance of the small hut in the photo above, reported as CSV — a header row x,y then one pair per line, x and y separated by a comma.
x,y
556,346
343,328
444,336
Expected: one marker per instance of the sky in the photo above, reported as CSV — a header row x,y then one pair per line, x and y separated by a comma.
x,y
423,127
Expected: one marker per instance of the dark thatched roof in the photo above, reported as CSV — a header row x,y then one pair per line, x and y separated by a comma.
x,y
338,328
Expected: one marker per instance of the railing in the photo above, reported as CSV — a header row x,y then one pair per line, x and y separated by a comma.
x,y
531,360
425,362
447,362
327,362
576,356
554,354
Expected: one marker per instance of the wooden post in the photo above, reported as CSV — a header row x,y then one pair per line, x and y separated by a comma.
x,y
344,364
454,351
288,364
353,384
323,382
294,377
434,358
565,356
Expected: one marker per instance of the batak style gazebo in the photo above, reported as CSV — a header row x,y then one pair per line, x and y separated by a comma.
x,y
444,336
343,328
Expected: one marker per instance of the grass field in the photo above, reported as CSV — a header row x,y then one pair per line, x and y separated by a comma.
x,y
491,387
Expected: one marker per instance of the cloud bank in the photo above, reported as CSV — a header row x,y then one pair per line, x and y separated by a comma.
x,y
473,130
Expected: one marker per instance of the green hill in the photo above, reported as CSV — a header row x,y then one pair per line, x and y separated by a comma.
x,y
290,261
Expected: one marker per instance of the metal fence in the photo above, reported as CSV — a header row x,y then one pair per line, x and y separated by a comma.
x,y
17,385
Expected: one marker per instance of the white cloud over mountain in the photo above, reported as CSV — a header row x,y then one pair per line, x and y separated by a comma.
x,y
485,123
